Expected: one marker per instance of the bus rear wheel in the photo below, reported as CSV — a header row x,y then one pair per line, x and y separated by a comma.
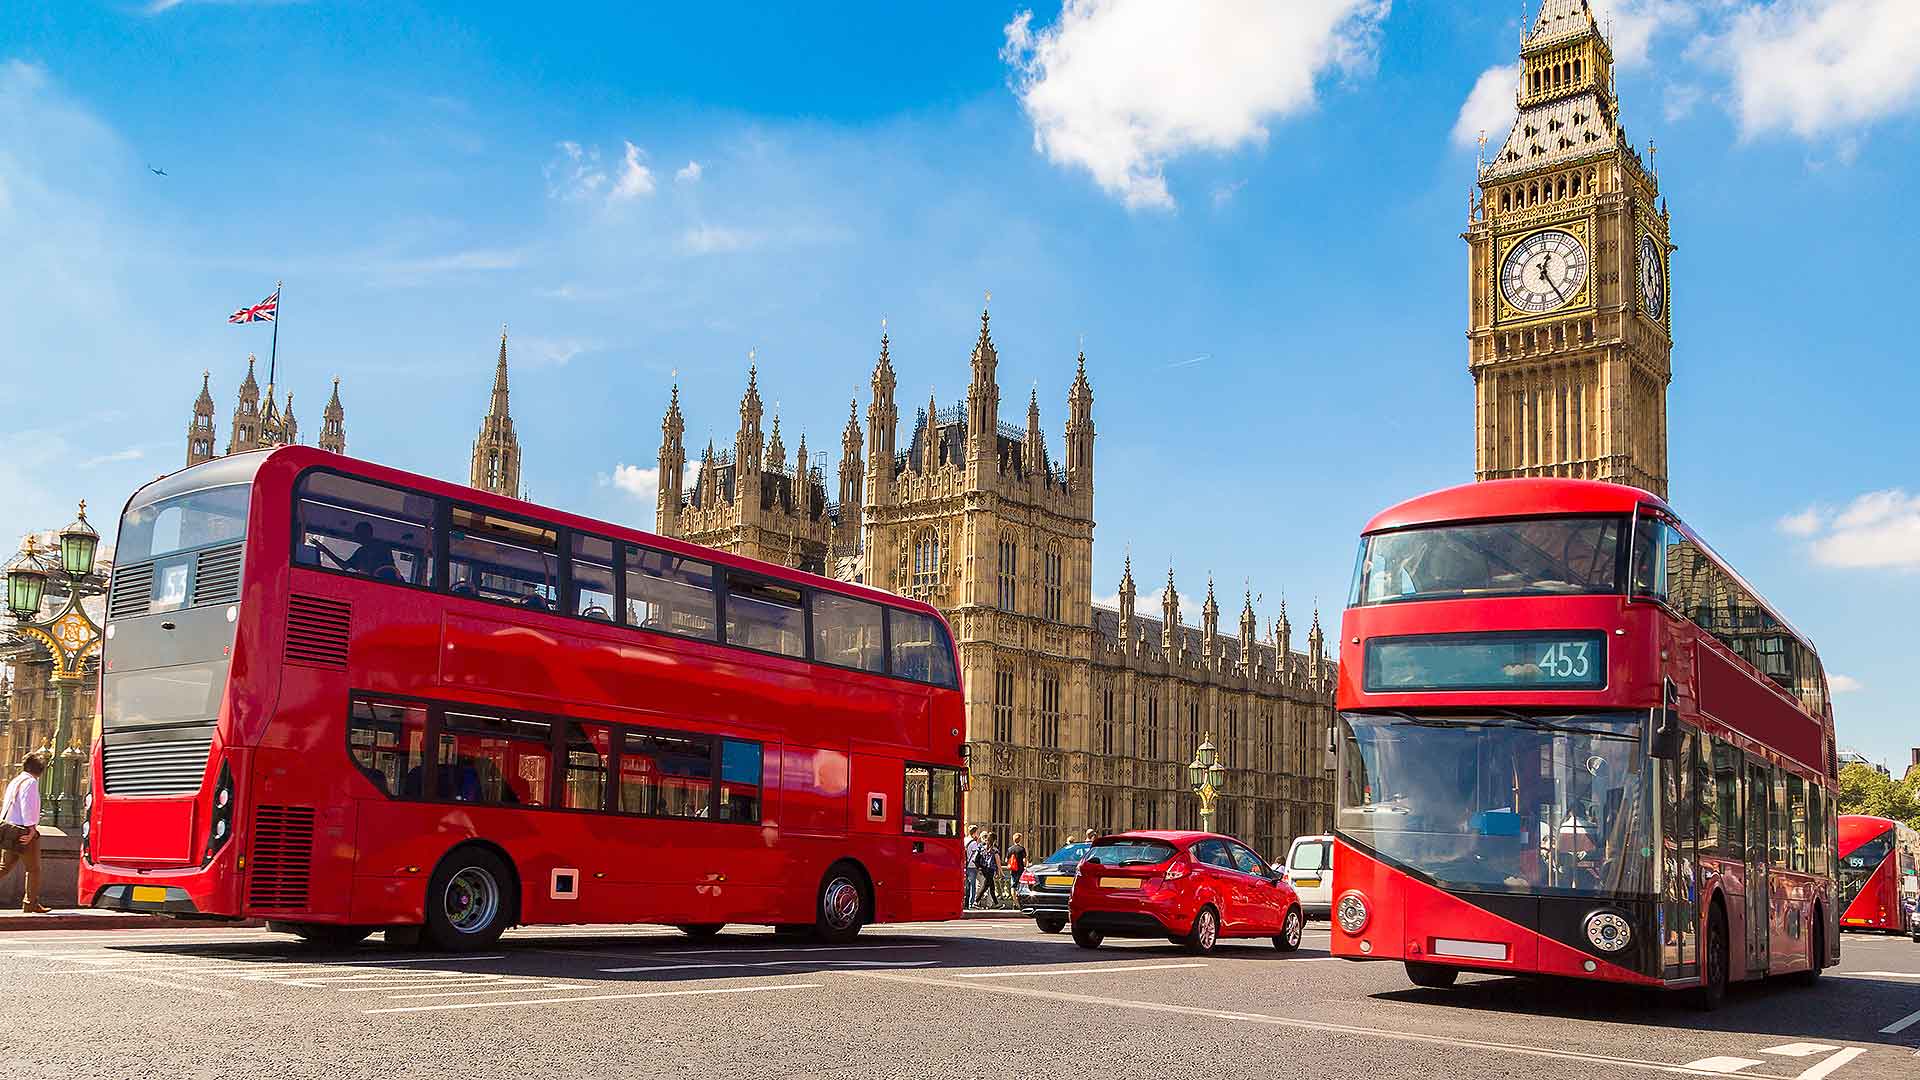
x,y
843,906
323,935
701,931
1431,976
1816,955
468,902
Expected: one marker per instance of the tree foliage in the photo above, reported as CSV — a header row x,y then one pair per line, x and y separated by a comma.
x,y
1863,790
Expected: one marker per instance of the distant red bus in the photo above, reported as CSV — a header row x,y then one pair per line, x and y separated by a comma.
x,y
343,697
1573,742
1879,878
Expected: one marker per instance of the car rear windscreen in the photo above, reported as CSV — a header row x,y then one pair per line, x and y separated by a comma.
x,y
1131,852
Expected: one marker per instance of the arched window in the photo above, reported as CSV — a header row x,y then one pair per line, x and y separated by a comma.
x,y
1576,183
1576,71
926,563
1053,570
1506,201
1009,570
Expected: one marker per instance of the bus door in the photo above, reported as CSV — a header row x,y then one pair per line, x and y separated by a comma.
x,y
1759,815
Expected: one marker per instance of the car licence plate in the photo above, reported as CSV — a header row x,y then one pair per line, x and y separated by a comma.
x,y
1307,882
1058,881
1119,883
149,894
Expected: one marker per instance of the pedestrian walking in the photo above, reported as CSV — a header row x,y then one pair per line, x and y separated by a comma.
x,y
20,830
987,865
1016,859
1089,836
972,860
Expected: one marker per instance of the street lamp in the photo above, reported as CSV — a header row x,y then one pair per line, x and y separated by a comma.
x,y
78,542
1207,776
26,582
69,637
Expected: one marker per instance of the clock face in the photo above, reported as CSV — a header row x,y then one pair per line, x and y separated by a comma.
x,y
1544,272
1653,283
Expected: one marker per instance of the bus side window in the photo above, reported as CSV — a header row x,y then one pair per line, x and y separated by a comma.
x,y
494,759
740,779
920,648
1708,804
666,775
1726,783
503,559
592,578
388,740
1797,823
585,785
669,593
358,527
846,632
765,614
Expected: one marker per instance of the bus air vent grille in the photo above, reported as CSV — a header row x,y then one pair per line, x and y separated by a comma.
x,y
317,631
132,591
216,575
282,866
175,767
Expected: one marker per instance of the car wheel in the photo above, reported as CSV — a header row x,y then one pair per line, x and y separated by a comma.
x,y
701,931
1290,931
1713,974
468,901
324,935
1205,933
1431,976
1086,938
1050,924
843,906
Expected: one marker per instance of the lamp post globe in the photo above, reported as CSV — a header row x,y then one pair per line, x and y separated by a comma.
x,y
1208,753
1196,774
26,583
78,544
1217,776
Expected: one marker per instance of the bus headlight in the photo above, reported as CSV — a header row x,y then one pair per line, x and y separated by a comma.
x,y
1608,932
1352,913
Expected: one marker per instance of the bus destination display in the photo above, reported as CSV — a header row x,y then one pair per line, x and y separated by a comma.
x,y
1531,660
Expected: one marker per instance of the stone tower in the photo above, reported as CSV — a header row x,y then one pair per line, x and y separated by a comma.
x,y
1569,320
673,466
333,423
245,432
496,451
200,428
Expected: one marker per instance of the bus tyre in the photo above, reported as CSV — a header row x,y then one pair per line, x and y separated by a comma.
x,y
843,906
1086,937
701,931
1205,933
468,900
1051,924
1816,955
323,935
1290,930
1431,976
1715,965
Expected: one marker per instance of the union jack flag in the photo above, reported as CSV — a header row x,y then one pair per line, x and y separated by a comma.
x,y
264,311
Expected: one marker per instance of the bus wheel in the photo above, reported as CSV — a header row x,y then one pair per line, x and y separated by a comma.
x,y
467,900
1816,956
1290,931
323,935
1431,976
843,905
1713,971
701,931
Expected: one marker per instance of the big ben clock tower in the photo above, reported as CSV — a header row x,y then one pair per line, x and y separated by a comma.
x,y
1570,333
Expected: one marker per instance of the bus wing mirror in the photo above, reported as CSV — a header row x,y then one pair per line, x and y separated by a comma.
x,y
1666,735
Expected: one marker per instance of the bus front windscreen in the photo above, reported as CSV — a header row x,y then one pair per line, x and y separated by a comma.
x,y
1857,866
1553,556
1501,803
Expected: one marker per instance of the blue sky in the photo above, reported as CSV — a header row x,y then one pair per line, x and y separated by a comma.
x,y
1251,213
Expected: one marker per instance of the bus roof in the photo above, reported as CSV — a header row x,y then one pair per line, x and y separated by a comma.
x,y
239,469
1526,497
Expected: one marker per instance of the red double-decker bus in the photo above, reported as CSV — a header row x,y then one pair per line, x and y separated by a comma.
x,y
341,697
1571,741
1879,875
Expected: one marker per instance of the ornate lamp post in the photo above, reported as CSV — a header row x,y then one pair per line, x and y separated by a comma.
x,y
1207,776
69,637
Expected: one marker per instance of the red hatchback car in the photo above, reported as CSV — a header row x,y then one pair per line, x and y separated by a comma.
x,y
1192,888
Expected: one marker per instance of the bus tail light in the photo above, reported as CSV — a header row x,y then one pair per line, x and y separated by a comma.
x,y
1352,913
221,827
86,826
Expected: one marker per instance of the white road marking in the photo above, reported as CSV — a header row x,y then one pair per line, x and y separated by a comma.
x,y
1721,1064
1827,1067
769,964
1880,974
1074,971
596,997
1800,1049
124,977
502,990
1290,1022
793,948
1901,1024
491,980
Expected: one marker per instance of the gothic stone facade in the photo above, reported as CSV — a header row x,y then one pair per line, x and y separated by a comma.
x,y
1078,716
256,424
1570,325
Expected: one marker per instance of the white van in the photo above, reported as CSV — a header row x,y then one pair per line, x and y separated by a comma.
x,y
1310,866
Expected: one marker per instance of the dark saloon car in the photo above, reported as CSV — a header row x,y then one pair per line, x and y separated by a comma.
x,y
1045,887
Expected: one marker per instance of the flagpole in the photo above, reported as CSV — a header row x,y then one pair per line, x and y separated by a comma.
x,y
273,356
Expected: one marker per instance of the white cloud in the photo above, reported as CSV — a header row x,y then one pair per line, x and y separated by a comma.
x,y
718,239
1815,67
1224,193
690,174
131,453
1489,107
549,352
635,178
1633,24
1843,684
1111,600
575,173
1878,530
642,484
1120,87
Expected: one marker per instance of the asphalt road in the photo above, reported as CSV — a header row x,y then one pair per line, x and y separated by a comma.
x,y
979,998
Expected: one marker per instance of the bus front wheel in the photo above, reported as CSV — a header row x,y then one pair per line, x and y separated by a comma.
x,y
1431,976
843,906
323,935
1716,964
468,900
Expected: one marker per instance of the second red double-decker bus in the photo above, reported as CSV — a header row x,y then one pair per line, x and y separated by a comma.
x,y
1879,875
342,697
1573,742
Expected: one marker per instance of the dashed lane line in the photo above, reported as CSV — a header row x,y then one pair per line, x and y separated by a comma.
x,y
1723,1065
1302,1025
770,964
1901,1024
1073,971
501,990
458,1005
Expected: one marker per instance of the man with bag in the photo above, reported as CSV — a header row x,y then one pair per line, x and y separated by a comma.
x,y
20,830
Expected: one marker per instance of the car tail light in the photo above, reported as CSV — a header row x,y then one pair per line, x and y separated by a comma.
x,y
1028,878
1175,871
